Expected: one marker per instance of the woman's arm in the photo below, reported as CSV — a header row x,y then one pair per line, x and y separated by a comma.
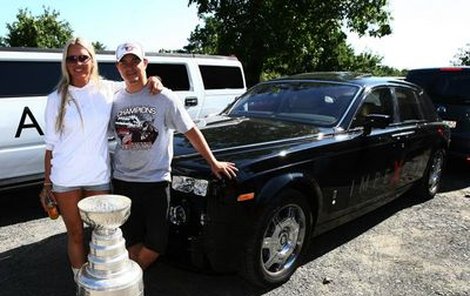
x,y
47,166
47,186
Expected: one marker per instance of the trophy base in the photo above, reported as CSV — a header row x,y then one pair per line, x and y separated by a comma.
x,y
127,283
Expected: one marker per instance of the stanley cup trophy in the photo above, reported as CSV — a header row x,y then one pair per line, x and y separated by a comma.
x,y
109,271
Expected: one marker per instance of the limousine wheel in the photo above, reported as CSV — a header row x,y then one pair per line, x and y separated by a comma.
x,y
279,240
429,185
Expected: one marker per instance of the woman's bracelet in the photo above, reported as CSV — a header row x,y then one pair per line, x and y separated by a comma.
x,y
47,184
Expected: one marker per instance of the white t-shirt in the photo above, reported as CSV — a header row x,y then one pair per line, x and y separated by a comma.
x,y
144,125
80,153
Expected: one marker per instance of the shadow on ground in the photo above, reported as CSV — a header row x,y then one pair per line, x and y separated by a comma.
x,y
456,176
20,205
41,269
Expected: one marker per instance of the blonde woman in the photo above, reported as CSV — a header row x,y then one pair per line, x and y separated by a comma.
x,y
76,158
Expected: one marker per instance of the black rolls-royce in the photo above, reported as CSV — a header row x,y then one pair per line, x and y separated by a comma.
x,y
313,151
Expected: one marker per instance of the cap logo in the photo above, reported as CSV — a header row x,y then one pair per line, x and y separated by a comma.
x,y
129,47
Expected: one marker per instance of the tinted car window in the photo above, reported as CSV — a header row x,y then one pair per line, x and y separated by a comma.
x,y
29,78
429,112
408,105
221,77
378,101
109,71
174,76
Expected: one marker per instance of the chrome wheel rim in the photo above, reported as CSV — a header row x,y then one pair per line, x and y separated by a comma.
x,y
283,240
435,172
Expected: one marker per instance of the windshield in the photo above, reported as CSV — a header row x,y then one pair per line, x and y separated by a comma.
x,y
318,103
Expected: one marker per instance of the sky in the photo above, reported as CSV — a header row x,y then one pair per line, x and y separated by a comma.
x,y
426,33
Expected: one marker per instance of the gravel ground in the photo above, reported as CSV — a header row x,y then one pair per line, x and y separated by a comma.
x,y
420,250
407,247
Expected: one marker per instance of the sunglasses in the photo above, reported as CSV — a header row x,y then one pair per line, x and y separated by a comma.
x,y
77,58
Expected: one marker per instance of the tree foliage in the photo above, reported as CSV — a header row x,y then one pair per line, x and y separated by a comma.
x,y
98,46
44,31
288,36
462,58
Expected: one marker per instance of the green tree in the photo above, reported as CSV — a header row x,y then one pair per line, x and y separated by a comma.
x,y
288,36
462,58
204,38
43,31
98,45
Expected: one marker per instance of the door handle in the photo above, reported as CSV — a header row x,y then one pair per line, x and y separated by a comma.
x,y
190,101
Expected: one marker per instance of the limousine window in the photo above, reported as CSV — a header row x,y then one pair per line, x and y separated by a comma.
x,y
174,76
109,71
28,78
221,77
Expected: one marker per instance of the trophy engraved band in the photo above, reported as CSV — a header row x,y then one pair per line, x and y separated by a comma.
x,y
109,271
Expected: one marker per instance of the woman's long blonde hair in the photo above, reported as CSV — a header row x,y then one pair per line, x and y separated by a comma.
x,y
65,81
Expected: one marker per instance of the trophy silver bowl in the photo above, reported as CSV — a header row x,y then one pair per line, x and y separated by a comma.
x,y
109,271
105,212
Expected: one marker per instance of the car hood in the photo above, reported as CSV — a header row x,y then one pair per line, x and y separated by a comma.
x,y
227,135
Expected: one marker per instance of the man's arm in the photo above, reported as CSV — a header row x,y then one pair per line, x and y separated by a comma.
x,y
219,168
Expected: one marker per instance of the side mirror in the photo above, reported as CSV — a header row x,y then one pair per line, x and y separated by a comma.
x,y
375,121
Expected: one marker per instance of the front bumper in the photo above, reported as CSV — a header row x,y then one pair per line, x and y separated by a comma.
x,y
210,237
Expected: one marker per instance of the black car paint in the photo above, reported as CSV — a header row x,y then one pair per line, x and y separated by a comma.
x,y
343,172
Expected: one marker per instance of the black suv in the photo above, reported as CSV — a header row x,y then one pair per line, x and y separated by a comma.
x,y
313,151
449,89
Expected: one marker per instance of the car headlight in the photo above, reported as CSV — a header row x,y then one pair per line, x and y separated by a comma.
x,y
190,185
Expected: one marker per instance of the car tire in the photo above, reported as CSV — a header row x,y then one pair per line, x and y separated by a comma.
x,y
428,186
279,240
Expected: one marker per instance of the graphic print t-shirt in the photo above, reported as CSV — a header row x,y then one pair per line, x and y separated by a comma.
x,y
134,127
143,125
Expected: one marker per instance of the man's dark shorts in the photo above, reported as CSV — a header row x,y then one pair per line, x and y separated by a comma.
x,y
148,222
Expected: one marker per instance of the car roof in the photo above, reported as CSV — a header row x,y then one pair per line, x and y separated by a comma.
x,y
5,51
358,79
442,69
